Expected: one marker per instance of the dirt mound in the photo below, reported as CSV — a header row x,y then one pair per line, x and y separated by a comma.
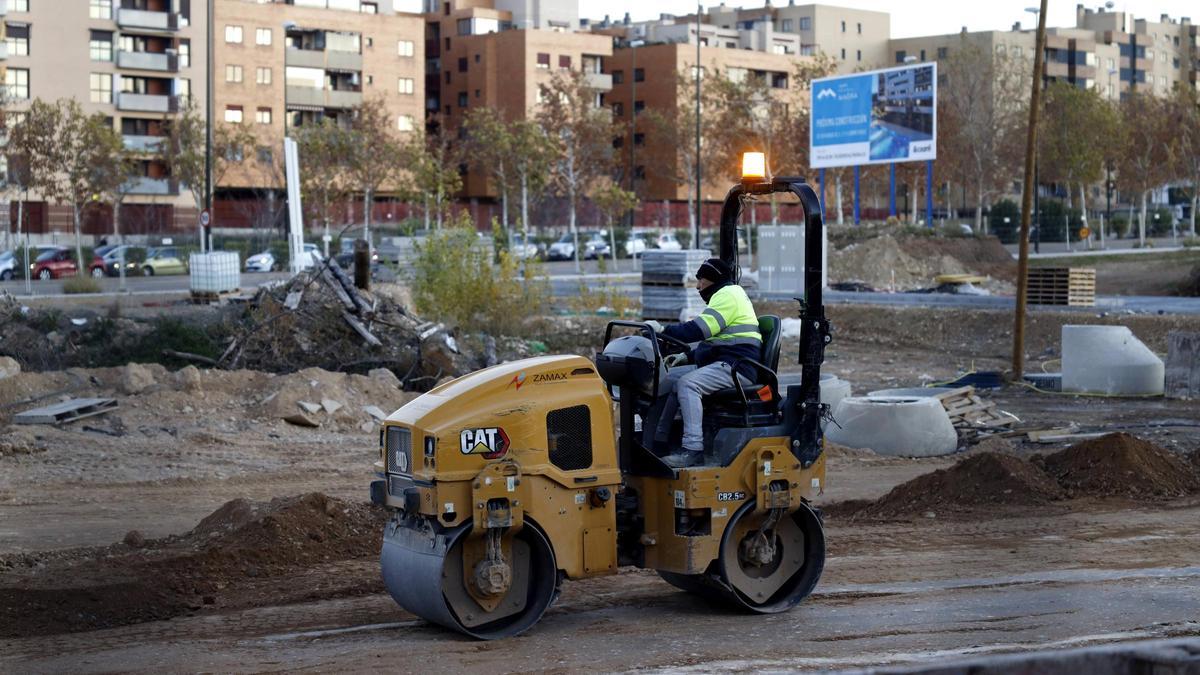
x,y
241,546
983,479
1121,465
906,263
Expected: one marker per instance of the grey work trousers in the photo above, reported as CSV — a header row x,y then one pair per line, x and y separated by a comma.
x,y
683,389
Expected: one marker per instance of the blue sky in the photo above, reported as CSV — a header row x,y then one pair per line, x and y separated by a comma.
x,y
917,17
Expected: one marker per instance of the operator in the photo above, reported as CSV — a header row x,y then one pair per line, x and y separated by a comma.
x,y
727,331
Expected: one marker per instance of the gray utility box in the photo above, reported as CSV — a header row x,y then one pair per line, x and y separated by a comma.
x,y
781,258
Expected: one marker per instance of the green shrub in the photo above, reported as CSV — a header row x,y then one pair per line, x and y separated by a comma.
x,y
1190,242
80,285
455,282
1007,232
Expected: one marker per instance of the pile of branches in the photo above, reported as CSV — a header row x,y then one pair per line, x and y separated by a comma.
x,y
319,319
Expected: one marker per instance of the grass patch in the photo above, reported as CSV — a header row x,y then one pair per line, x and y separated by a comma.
x,y
76,285
1080,260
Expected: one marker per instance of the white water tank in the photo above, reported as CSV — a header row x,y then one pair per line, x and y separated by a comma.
x,y
214,272
901,426
1108,360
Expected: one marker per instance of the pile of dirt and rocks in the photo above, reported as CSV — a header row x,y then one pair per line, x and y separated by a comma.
x,y
982,479
1121,465
904,263
238,549
1115,465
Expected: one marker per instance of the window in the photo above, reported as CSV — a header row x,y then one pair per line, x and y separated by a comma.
x,y
262,115
265,155
233,34
185,53
806,23
370,41
404,123
101,87
447,77
843,26
100,45
564,62
447,39
736,74
183,89
17,38
638,107
618,110
639,75
639,138
942,52
16,82
618,76
858,55
404,48
860,29
233,73
369,8
262,36
370,79
262,75
1016,52
477,93
97,9
1111,63
406,85
543,60
922,54
843,53
901,55
462,64
233,114
462,99
786,26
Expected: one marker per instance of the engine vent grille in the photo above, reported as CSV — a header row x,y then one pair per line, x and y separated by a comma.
x,y
569,437
399,450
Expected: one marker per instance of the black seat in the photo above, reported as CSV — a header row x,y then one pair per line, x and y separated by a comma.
x,y
757,404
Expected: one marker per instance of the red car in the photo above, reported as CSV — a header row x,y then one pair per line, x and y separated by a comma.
x,y
54,264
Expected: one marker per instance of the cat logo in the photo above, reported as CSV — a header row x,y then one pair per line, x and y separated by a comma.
x,y
490,442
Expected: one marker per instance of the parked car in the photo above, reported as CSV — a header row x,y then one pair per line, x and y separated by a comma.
x,y
667,242
526,249
636,245
563,249
133,256
163,260
310,256
711,244
54,264
596,247
8,265
262,262
105,260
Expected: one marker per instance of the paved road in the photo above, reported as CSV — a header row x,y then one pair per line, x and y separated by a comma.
x,y
1111,246
176,283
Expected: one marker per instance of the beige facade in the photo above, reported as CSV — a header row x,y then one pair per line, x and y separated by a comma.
x,y
136,62
478,57
647,78
278,64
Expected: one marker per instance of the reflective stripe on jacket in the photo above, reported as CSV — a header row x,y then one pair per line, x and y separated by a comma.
x,y
729,319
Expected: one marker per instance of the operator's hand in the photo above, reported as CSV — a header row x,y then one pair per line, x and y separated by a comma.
x,y
673,360
655,326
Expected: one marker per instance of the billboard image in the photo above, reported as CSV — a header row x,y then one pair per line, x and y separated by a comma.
x,y
877,117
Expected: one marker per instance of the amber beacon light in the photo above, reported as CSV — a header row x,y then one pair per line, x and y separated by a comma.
x,y
754,166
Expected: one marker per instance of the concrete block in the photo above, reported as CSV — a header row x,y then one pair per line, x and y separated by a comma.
x,y
1108,360
894,425
1182,378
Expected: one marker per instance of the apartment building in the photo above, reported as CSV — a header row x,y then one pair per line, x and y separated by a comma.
x,y
855,39
1111,52
136,62
647,78
499,53
285,63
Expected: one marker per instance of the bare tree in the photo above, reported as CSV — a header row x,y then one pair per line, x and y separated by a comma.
x,y
614,202
583,136
532,151
185,149
31,152
370,159
490,140
1144,162
1185,120
324,148
434,158
1076,126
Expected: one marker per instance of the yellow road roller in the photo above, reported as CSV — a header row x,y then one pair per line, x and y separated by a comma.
x,y
505,482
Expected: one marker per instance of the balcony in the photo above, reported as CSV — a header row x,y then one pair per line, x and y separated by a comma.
x,y
166,63
312,97
343,99
141,19
142,143
144,185
304,58
335,60
598,81
147,103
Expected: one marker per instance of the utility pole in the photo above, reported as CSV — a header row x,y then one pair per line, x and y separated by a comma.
x,y
699,197
206,234
1018,355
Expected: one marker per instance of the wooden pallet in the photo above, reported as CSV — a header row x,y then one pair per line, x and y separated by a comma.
x,y
211,297
1067,286
973,416
66,411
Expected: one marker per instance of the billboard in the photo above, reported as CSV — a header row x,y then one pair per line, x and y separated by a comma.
x,y
877,117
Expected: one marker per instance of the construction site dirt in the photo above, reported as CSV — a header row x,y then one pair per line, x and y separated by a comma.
x,y
195,529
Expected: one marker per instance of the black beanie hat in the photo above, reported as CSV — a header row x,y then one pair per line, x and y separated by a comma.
x,y
715,270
